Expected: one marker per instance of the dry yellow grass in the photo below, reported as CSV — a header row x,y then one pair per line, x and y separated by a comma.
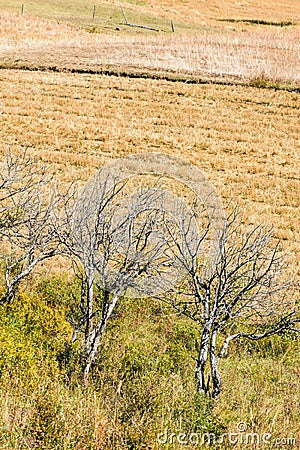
x,y
270,55
211,11
24,30
245,139
189,13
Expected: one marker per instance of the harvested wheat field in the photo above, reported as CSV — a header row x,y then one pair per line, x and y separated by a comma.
x,y
245,139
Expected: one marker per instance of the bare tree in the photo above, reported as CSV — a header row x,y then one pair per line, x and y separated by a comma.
x,y
242,296
27,201
113,239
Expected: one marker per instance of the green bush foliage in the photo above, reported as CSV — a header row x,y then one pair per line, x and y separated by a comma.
x,y
142,384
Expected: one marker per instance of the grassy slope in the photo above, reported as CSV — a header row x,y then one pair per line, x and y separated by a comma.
x,y
108,14
143,382
238,137
204,47
189,14
246,140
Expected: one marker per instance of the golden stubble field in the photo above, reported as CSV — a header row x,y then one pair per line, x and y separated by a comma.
x,y
246,140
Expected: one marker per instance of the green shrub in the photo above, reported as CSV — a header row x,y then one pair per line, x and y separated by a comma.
x,y
143,380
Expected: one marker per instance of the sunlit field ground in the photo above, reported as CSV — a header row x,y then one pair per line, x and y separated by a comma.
x,y
245,139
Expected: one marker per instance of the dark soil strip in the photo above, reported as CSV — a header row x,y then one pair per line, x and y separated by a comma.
x,y
131,72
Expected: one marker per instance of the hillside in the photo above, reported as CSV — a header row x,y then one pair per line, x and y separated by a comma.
x,y
221,92
188,14
210,49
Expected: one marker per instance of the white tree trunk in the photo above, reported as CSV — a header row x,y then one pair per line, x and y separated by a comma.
x,y
93,340
214,362
202,360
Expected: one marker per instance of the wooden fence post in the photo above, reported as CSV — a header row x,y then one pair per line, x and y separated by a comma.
x,y
124,15
22,9
94,12
172,26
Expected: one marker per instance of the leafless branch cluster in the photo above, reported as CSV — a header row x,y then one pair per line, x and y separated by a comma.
x,y
114,241
150,243
242,297
27,201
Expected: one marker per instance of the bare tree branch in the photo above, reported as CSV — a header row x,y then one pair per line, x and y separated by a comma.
x,y
113,239
27,201
245,291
